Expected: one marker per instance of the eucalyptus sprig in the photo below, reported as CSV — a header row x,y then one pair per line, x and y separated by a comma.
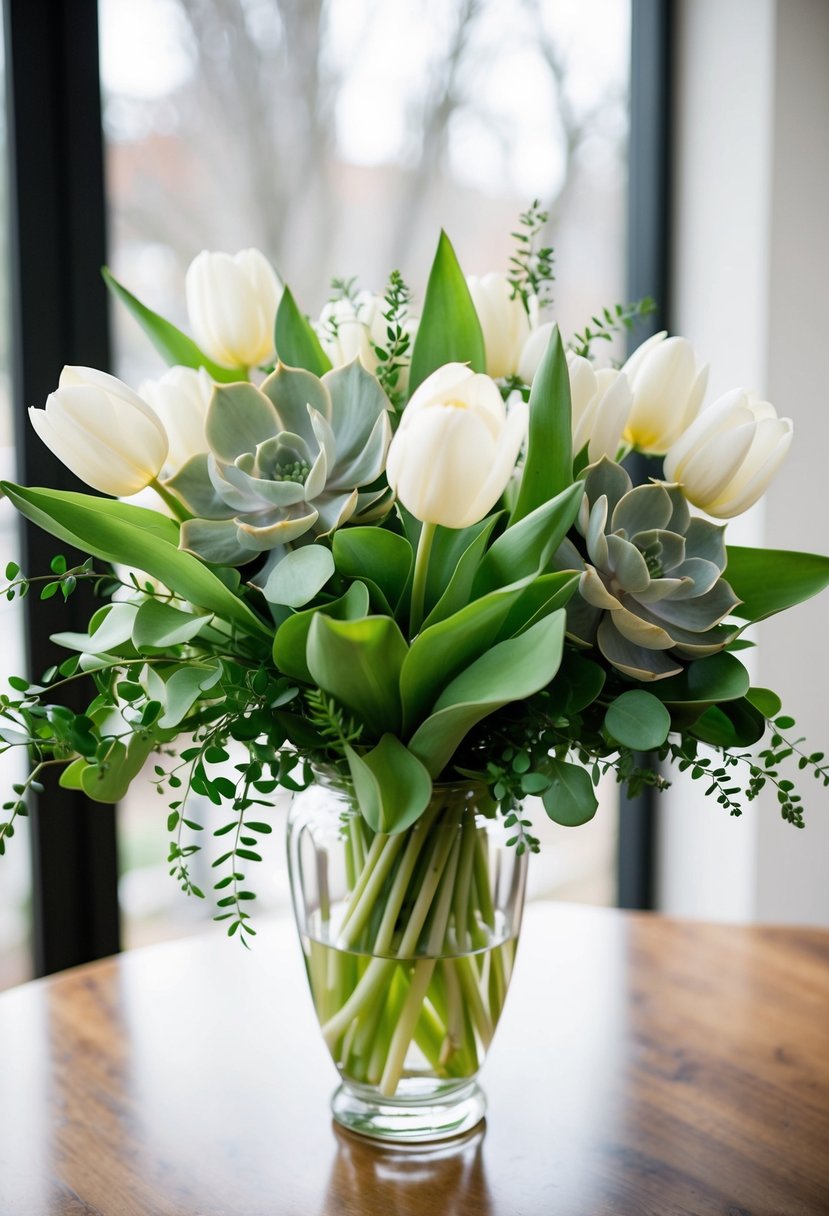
x,y
531,265
604,326
394,355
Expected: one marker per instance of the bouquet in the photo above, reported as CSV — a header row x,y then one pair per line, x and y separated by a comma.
x,y
404,554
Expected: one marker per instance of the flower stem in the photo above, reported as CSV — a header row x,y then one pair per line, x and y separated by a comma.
x,y
424,549
178,508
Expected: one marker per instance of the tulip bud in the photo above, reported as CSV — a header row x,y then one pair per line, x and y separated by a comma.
x,y
504,322
350,329
102,431
728,456
180,398
600,402
667,392
232,303
534,350
456,447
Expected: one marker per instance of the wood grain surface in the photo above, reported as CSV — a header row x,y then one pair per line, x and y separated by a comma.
x,y
643,1067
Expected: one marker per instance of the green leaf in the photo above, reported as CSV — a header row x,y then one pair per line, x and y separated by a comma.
x,y
296,343
158,626
376,555
116,532
291,639
109,781
114,628
544,595
358,663
570,798
733,724
771,580
182,689
300,576
443,650
170,342
639,720
548,468
527,547
449,329
393,788
720,677
767,701
456,555
71,776
510,671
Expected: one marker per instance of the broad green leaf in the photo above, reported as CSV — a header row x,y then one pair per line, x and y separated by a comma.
x,y
182,689
71,776
766,700
771,580
443,650
393,788
158,625
720,677
291,638
449,329
110,780
358,663
570,799
453,564
91,524
735,724
527,547
376,555
638,719
170,342
544,595
114,628
510,671
548,468
296,343
300,576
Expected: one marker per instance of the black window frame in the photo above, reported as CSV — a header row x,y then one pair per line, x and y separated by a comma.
x,y
57,208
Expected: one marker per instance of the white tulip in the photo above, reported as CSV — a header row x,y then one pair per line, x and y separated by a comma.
x,y
180,398
232,303
504,322
600,402
534,351
668,389
350,329
728,456
102,431
456,447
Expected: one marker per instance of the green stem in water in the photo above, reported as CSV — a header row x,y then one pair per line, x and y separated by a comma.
x,y
424,550
178,508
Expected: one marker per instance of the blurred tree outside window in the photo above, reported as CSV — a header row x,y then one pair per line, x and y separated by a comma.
x,y
339,137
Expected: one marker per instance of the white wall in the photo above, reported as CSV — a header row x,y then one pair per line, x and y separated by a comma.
x,y
750,273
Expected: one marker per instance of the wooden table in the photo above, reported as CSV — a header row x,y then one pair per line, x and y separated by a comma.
x,y
643,1066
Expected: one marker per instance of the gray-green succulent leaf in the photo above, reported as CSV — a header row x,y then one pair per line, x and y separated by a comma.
x,y
650,590
299,456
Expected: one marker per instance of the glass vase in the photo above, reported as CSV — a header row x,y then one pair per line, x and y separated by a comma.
x,y
409,943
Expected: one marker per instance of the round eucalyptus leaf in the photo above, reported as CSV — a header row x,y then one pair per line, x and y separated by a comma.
x,y
570,798
639,720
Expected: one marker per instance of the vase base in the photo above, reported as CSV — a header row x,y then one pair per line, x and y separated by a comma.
x,y
411,1119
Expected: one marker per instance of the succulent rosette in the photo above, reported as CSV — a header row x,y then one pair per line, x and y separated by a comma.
x,y
651,593
289,461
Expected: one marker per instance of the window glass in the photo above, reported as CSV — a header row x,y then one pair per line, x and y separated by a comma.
x,y
339,138
15,876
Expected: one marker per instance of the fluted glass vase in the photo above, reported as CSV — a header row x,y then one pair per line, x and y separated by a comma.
x,y
409,942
